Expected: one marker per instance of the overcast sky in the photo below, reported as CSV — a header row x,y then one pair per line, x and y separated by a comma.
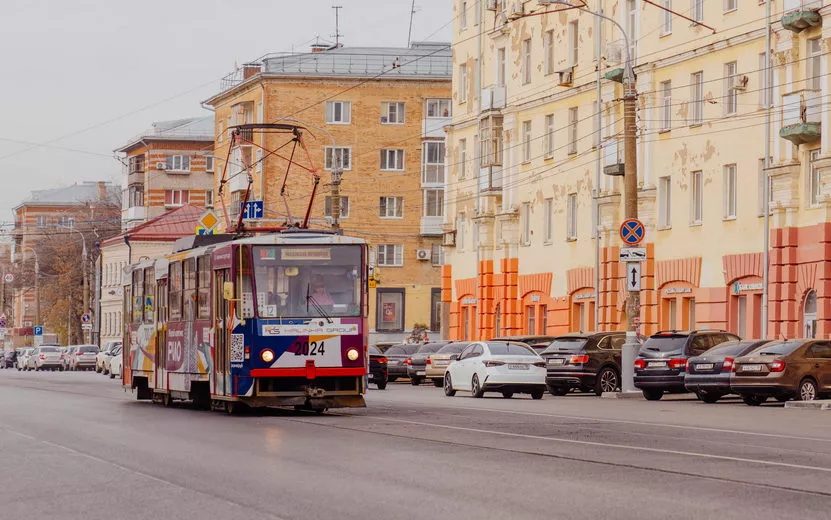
x,y
87,75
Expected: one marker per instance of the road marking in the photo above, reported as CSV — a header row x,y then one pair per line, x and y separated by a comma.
x,y
610,445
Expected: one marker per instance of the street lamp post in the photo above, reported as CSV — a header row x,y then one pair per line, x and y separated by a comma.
x,y
84,273
37,290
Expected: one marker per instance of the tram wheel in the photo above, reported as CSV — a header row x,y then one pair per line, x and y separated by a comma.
x,y
235,407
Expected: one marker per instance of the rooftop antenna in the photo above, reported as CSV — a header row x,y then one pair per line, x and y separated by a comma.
x,y
412,15
337,34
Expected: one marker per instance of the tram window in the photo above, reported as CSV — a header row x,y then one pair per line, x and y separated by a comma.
x,y
161,303
203,268
149,294
244,282
189,293
138,296
175,291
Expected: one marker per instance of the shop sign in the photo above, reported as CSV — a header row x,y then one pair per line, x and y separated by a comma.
x,y
468,301
583,296
741,287
535,297
678,290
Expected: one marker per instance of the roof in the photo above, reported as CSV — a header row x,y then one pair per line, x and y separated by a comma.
x,y
189,129
74,195
167,227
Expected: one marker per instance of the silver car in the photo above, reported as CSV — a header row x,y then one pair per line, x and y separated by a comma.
x,y
83,357
23,357
30,359
48,357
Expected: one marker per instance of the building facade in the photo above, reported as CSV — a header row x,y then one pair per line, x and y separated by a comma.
x,y
536,148
376,114
168,166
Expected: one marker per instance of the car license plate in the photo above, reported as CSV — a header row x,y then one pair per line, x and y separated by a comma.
x,y
751,368
420,372
517,366
657,364
556,361
439,363
704,366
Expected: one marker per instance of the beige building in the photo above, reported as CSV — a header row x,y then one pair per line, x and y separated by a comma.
x,y
531,146
378,115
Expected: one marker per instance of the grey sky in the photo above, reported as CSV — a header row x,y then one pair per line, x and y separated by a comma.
x,y
113,67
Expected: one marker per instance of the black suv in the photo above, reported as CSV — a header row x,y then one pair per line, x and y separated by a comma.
x,y
661,363
588,361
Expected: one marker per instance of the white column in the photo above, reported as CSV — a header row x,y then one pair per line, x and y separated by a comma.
x,y
826,113
776,97
789,77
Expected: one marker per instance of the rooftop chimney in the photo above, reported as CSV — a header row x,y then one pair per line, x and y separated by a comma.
x,y
250,69
102,190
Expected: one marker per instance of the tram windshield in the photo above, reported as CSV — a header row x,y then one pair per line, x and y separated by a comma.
x,y
308,281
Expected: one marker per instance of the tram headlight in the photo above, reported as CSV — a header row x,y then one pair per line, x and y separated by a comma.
x,y
267,356
352,354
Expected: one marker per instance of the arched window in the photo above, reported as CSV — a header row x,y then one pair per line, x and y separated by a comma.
x,y
809,315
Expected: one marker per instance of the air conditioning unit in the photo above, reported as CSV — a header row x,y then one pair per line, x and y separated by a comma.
x,y
517,10
490,5
423,254
741,84
161,165
566,77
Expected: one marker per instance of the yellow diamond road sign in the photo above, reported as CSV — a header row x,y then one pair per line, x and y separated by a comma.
x,y
208,220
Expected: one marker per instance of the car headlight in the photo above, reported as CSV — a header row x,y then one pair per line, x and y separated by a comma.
x,y
352,354
267,356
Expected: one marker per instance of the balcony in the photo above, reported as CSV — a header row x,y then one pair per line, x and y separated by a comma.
x,y
434,126
613,161
801,14
492,98
801,112
135,213
431,226
490,179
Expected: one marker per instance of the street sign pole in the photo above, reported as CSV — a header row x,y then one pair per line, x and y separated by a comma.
x,y
632,232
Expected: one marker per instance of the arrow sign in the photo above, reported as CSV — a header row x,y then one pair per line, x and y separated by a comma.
x,y
253,210
633,277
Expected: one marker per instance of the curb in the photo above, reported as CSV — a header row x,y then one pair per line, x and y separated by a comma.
x,y
823,404
622,395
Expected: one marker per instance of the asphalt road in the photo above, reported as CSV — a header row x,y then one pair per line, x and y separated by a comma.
x,y
76,446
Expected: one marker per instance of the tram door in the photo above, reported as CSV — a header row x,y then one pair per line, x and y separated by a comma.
x,y
160,380
221,333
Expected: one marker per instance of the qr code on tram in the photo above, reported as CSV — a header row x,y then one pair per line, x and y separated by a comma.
x,y
237,348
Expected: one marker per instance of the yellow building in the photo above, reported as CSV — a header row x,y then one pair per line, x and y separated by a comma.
x,y
532,149
379,115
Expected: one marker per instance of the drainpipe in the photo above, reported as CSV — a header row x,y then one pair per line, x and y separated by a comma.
x,y
598,27
129,249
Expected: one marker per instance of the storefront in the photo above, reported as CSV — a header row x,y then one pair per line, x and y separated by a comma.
x,y
582,303
677,306
535,313
744,307
809,315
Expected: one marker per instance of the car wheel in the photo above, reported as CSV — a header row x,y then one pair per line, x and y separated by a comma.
x,y
448,386
537,394
652,394
708,397
557,390
753,400
607,381
381,386
112,376
415,381
807,390
507,395
437,383
476,388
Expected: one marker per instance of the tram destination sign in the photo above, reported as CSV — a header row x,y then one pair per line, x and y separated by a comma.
x,y
306,253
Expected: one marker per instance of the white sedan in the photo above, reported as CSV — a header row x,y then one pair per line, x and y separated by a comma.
x,y
115,365
497,366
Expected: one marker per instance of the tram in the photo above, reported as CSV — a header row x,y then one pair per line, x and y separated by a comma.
x,y
230,322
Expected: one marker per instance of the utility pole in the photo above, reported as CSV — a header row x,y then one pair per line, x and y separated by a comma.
x,y
766,203
412,15
337,34
37,289
337,175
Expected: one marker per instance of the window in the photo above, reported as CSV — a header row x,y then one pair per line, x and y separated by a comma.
x,y
549,135
209,198
339,112
462,83
339,157
136,163
572,130
177,163
666,18
761,191
209,163
526,61
732,5
66,222
548,227
344,206
463,15
500,66
549,52
525,221
135,196
437,254
573,42
392,160
175,293
461,167
814,72
665,202
730,191
731,95
389,310
666,105
390,255
42,221
526,141
814,185
176,197
697,10
433,203
438,108
490,141
763,79
571,216
203,282
461,224
392,113
530,317
391,207
696,200
632,25
697,97
433,168
189,291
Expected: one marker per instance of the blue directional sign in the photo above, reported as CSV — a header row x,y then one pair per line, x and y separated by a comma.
x,y
38,330
632,231
253,210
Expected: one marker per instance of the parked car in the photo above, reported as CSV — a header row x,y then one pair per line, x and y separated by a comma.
x,y
708,375
115,364
83,357
30,359
23,358
497,366
587,361
441,360
662,360
114,352
384,345
417,369
48,357
798,368
398,357
536,342
10,358
103,353
377,368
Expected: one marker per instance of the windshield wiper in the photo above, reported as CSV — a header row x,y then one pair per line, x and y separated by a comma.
x,y
317,306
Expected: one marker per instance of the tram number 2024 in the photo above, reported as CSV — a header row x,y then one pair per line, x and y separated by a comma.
x,y
309,348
